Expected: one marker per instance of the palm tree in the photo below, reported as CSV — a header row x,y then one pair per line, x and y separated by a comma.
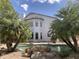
x,y
67,25
11,28
15,30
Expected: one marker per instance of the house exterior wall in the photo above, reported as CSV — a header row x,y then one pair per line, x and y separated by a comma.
x,y
46,21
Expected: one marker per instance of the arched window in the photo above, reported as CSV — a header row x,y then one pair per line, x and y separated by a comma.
x,y
36,35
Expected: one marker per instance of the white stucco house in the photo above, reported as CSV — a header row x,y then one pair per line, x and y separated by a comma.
x,y
39,25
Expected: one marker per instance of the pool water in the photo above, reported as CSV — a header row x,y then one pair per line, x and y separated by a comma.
x,y
23,46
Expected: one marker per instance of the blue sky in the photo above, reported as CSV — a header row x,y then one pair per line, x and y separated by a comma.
x,y
46,7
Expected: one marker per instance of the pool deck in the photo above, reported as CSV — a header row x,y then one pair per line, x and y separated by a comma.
x,y
39,43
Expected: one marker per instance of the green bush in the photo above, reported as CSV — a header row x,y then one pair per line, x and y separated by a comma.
x,y
65,51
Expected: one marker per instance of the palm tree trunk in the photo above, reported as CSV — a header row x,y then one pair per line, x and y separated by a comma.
x,y
8,45
74,40
67,41
72,46
17,42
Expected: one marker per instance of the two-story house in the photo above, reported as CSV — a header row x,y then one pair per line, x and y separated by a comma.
x,y
39,25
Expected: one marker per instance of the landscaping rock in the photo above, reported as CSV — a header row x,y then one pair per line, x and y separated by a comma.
x,y
44,49
28,52
45,55
40,49
35,48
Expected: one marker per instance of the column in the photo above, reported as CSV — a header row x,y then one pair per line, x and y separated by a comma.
x,y
34,36
33,30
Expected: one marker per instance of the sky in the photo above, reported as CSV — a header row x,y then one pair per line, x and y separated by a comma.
x,y
46,7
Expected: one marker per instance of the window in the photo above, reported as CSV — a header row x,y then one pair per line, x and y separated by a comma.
x,y
36,35
40,24
41,35
36,23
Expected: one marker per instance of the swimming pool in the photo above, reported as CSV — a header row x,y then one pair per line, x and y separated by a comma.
x,y
53,47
